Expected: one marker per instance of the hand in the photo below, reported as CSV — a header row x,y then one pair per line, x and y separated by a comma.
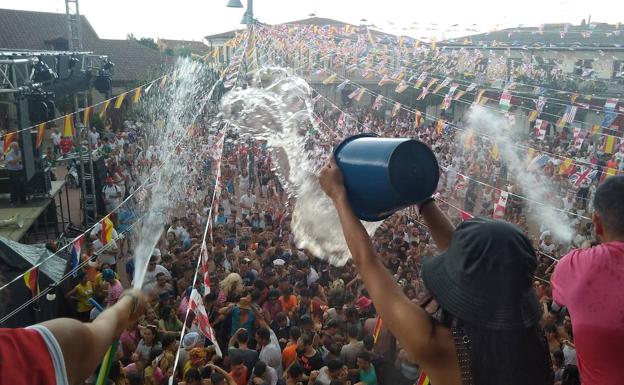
x,y
331,179
314,374
139,303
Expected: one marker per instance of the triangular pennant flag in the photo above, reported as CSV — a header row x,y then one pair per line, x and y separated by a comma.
x,y
40,134
396,109
163,81
86,116
137,95
107,230
31,280
330,79
119,101
9,138
533,115
104,109
68,126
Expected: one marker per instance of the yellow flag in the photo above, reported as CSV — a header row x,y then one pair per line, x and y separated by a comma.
x,y
330,79
533,115
137,95
120,100
484,101
215,53
433,44
479,95
495,152
530,154
104,108
469,140
440,126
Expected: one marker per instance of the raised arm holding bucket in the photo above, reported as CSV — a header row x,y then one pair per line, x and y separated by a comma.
x,y
487,312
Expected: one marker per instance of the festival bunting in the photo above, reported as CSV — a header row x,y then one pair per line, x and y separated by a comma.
x,y
377,102
417,119
567,167
610,172
471,87
444,83
539,104
119,100
86,116
396,109
76,252
31,279
595,129
440,126
469,139
459,94
423,93
610,104
9,138
330,79
570,113
533,115
137,95
342,85
385,80
40,134
104,109
540,129
420,80
107,230
505,101
196,305
495,152
479,96
68,126
609,118
608,144
500,205
401,87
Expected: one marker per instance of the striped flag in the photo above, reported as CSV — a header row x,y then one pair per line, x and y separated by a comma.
x,y
610,104
540,129
377,329
569,114
505,101
40,134
107,230
567,166
31,281
539,104
196,305
86,116
9,138
68,126
119,100
608,144
423,379
76,251
499,207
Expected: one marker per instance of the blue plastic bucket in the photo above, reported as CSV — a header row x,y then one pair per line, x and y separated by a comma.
x,y
384,175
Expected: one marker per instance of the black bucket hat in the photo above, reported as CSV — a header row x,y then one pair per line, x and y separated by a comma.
x,y
485,277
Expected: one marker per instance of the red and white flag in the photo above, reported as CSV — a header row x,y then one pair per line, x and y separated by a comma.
x,y
499,207
377,102
196,305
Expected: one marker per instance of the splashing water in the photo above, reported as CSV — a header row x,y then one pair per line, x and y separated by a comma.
x,y
278,109
169,117
536,190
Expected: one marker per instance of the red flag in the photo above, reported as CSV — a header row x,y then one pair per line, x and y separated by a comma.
x,y
377,329
465,215
30,278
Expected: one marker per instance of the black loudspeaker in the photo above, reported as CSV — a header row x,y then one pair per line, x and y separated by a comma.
x,y
28,154
40,184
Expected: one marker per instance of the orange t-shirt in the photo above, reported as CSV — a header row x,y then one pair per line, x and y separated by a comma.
x,y
242,379
289,354
290,304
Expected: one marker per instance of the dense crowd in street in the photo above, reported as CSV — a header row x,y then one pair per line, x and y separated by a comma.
x,y
281,315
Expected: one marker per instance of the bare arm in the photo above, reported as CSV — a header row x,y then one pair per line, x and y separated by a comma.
x,y
84,344
390,301
439,225
227,376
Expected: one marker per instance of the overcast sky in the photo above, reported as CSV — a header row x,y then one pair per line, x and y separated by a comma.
x,y
194,19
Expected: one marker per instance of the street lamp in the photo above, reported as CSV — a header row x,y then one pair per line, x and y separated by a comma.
x,y
248,18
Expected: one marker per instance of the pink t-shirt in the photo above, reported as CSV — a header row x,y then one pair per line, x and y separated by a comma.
x,y
590,283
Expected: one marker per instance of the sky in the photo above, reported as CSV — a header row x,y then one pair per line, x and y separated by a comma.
x,y
194,19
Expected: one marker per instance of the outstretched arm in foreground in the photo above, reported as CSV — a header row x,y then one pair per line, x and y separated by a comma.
x,y
412,326
84,344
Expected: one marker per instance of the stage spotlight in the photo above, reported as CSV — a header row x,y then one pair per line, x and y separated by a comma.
x,y
42,73
73,60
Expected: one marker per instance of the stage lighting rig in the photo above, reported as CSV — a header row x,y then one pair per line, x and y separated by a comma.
x,y
42,73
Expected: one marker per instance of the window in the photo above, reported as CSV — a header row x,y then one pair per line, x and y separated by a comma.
x,y
618,70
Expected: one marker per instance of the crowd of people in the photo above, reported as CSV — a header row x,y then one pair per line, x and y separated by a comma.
x,y
283,316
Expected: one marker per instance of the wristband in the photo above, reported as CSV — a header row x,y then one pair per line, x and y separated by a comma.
x,y
424,203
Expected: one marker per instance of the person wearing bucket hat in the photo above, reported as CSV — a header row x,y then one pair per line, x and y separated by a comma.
x,y
484,328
